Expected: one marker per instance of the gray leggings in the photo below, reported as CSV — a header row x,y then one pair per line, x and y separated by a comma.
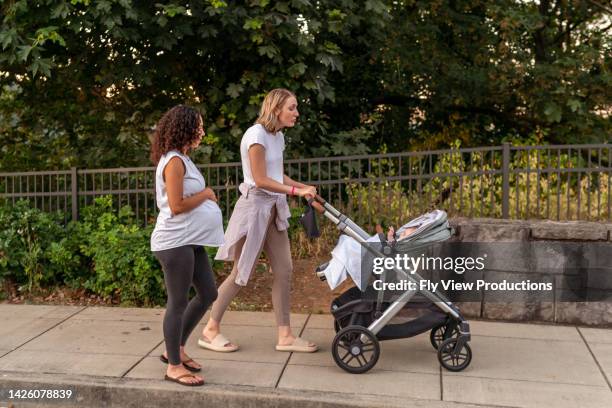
x,y
184,266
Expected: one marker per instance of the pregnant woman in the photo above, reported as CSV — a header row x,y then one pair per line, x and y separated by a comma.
x,y
189,219
259,221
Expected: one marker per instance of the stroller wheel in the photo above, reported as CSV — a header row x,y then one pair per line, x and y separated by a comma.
x,y
355,349
451,360
438,335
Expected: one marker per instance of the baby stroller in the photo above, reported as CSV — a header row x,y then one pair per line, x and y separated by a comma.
x,y
362,321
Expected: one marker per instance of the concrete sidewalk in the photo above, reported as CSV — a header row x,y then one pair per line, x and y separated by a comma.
x,y
109,357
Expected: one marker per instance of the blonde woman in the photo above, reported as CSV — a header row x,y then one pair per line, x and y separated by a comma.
x,y
259,221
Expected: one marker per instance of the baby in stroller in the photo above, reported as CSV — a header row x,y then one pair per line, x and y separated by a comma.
x,y
392,236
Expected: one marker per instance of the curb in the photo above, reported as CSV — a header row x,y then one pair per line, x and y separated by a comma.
x,y
136,393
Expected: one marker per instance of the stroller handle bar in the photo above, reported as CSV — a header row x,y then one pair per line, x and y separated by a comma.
x,y
316,202
342,221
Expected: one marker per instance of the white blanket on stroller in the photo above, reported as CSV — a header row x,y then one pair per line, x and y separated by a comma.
x,y
346,256
345,262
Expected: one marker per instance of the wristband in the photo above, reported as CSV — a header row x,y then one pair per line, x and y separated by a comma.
x,y
292,190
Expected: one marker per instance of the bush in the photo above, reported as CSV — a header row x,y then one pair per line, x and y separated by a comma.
x,y
119,249
26,237
105,252
66,259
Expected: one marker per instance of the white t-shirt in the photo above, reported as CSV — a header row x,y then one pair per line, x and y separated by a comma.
x,y
274,145
202,225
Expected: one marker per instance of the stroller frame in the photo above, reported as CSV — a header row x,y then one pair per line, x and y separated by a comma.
x,y
451,339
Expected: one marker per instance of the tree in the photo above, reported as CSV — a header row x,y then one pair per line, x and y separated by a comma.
x,y
482,71
98,74
84,81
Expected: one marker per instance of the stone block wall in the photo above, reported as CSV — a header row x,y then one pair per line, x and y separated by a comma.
x,y
567,254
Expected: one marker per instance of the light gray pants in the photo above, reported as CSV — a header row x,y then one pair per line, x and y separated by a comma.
x,y
276,248
185,266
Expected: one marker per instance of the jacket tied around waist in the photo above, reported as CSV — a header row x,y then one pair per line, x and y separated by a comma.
x,y
250,218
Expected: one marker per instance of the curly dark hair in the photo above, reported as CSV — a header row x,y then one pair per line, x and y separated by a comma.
x,y
175,130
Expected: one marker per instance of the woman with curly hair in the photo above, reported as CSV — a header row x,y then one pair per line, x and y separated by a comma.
x,y
259,222
189,219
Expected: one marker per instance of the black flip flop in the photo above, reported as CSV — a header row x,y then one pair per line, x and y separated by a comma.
x,y
190,368
178,380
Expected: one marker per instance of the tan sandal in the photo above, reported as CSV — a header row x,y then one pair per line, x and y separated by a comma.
x,y
219,343
299,345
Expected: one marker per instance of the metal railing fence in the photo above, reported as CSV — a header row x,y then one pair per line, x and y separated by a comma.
x,y
559,182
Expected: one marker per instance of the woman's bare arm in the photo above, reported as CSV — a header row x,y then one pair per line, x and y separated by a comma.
x,y
291,182
257,158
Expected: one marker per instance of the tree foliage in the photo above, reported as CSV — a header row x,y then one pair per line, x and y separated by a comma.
x,y
84,81
481,71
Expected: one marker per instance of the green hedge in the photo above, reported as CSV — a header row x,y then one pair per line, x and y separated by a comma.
x,y
106,252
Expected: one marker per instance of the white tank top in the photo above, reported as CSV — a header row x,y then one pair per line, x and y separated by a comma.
x,y
201,226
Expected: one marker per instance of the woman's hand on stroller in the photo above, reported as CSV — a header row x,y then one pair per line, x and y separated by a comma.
x,y
310,194
306,191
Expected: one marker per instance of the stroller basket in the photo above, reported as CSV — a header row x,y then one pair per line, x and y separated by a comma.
x,y
363,319
420,315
